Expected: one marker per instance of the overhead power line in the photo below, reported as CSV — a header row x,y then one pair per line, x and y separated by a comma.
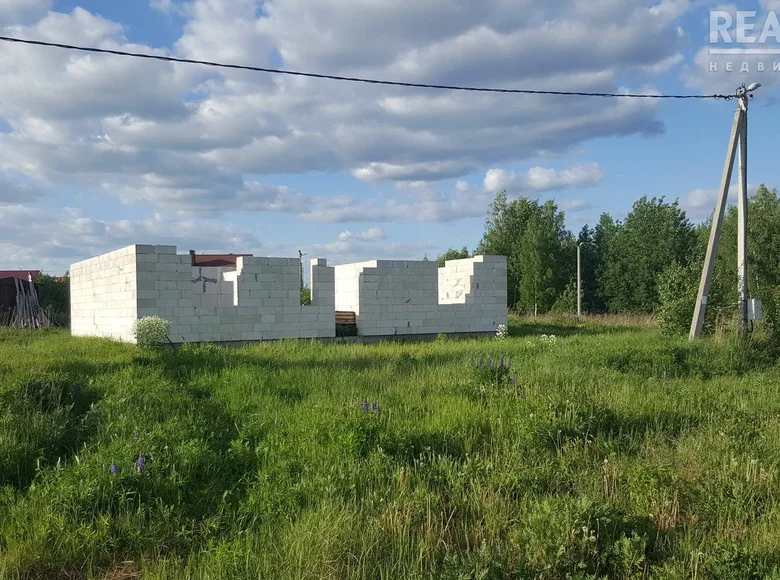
x,y
354,79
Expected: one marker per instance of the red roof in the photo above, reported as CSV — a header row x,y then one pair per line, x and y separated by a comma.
x,y
216,260
21,274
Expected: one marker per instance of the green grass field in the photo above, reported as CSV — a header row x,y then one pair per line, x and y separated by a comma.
x,y
610,452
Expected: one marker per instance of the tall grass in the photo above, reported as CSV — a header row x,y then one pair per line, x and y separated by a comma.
x,y
610,452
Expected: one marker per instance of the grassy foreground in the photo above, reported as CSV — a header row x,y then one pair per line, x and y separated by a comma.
x,y
609,452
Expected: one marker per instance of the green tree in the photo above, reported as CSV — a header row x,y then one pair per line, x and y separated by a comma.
x,y
654,235
544,271
54,297
504,228
604,236
763,255
452,254
536,243
53,292
588,269
566,303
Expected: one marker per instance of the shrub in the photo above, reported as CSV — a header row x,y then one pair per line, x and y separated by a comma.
x,y
54,298
305,296
567,301
771,308
678,287
151,331
502,332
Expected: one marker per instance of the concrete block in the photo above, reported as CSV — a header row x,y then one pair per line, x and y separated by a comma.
x,y
173,302
177,294
166,267
168,259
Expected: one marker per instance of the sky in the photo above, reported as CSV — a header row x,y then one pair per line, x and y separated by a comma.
x,y
98,152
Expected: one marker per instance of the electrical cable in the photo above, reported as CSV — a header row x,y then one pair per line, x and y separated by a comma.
x,y
356,79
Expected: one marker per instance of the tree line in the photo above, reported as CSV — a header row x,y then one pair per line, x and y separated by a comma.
x,y
648,263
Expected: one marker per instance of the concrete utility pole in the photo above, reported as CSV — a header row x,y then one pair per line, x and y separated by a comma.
x,y
738,136
742,219
579,282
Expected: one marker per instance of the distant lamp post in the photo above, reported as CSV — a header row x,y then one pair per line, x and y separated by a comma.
x,y
579,281
300,266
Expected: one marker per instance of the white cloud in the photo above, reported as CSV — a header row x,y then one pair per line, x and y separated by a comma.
x,y
13,192
52,241
55,240
190,140
699,204
412,172
17,11
574,205
539,179
424,206
74,115
61,95
351,249
371,235
226,31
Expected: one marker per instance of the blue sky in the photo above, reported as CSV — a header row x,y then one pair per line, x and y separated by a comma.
x,y
99,152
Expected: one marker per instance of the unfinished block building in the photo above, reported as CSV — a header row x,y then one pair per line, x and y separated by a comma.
x,y
238,298
405,298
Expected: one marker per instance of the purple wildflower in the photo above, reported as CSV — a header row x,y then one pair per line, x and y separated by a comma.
x,y
512,379
509,364
501,364
140,464
375,407
489,364
522,395
113,468
479,366
365,406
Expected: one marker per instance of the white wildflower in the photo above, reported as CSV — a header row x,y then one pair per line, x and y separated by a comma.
x,y
151,331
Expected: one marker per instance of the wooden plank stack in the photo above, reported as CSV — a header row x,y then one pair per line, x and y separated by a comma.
x,y
28,312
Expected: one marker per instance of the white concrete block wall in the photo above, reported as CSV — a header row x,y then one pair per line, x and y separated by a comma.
x,y
260,298
213,286
347,281
323,298
104,294
402,298
455,281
